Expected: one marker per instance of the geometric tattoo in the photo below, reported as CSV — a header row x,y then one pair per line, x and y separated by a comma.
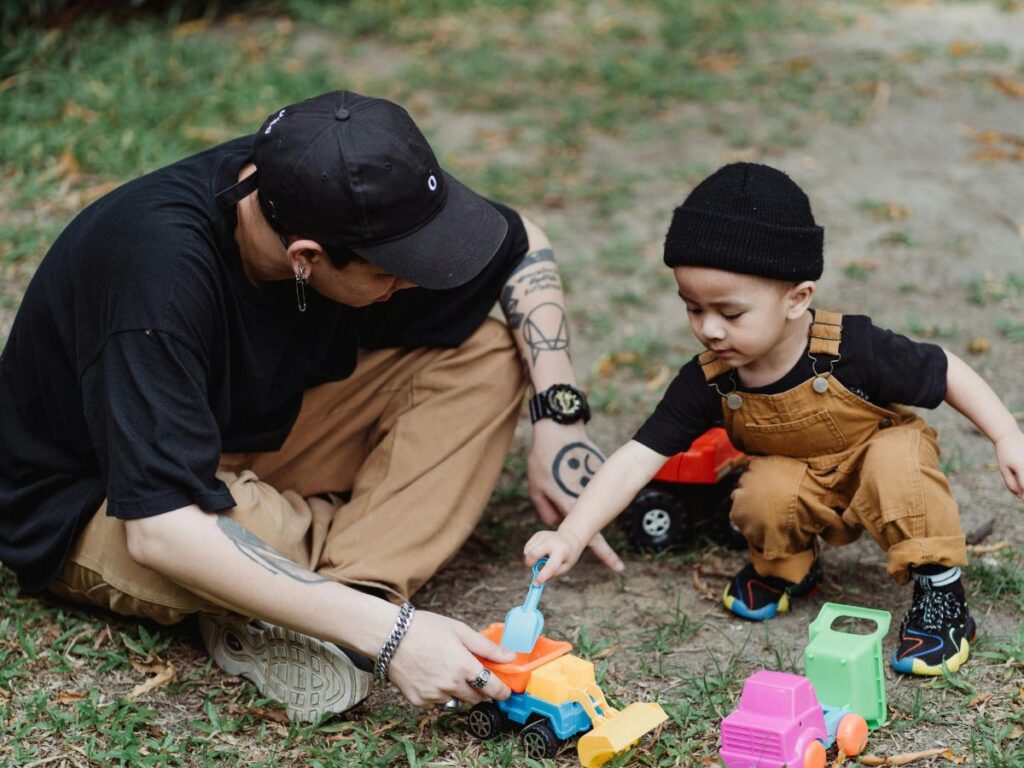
x,y
548,315
574,465
261,553
508,307
544,254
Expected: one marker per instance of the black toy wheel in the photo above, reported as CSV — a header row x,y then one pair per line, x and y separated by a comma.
x,y
486,721
656,520
719,528
539,741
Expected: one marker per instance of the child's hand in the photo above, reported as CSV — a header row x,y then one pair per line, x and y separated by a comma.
x,y
1010,455
561,548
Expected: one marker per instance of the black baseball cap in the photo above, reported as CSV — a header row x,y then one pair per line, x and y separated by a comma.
x,y
353,171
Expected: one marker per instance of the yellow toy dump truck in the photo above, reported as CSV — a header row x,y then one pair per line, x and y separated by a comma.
x,y
555,697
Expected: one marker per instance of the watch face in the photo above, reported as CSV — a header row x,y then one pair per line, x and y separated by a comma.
x,y
565,402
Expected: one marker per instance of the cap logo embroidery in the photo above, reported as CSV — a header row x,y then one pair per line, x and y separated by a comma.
x,y
432,183
271,126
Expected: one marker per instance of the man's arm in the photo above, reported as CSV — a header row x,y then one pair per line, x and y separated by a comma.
x,y
219,559
562,459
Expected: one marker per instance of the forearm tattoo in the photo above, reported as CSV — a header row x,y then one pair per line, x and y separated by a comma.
x,y
534,257
261,553
574,466
544,326
546,330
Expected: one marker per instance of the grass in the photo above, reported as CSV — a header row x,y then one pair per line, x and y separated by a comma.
x,y
561,93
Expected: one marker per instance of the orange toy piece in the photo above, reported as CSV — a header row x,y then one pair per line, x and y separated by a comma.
x,y
516,674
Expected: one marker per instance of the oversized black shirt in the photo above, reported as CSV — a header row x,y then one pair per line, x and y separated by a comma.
x,y
141,352
880,366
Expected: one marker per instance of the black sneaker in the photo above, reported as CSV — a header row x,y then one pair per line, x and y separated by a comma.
x,y
756,597
937,630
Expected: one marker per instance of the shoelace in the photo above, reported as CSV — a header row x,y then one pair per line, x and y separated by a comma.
x,y
936,609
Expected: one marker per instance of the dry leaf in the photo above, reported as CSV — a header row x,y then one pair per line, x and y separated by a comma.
x,y
164,674
702,587
724,64
659,379
69,697
605,652
980,699
1008,86
905,758
979,346
984,549
192,27
960,48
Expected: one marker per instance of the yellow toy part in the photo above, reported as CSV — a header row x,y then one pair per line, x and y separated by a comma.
x,y
618,732
571,678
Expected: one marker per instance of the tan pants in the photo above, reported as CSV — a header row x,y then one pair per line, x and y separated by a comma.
x,y
417,436
850,466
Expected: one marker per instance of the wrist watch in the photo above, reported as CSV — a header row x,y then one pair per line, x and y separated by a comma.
x,y
563,403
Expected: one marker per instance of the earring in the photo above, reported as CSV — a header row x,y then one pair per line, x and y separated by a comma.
x,y
300,288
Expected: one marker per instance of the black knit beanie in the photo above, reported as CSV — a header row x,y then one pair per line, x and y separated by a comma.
x,y
751,219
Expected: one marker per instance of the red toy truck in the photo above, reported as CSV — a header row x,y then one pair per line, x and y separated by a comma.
x,y
688,497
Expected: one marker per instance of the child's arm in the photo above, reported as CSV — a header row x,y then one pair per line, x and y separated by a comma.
x,y
612,488
968,393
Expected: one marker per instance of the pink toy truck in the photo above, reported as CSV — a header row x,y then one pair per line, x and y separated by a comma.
x,y
780,724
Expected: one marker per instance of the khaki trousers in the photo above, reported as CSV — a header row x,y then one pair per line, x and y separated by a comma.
x,y
835,465
417,437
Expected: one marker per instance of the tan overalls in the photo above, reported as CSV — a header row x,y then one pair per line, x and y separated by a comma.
x,y
825,462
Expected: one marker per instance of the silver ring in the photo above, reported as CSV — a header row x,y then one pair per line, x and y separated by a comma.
x,y
451,705
481,679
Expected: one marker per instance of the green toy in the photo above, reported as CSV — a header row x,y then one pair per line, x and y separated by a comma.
x,y
846,667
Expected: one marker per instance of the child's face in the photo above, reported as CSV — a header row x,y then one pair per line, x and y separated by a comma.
x,y
741,317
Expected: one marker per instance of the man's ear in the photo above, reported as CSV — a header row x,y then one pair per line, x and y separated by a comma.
x,y
798,299
304,253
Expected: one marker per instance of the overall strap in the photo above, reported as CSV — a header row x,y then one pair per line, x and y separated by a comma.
x,y
711,365
826,333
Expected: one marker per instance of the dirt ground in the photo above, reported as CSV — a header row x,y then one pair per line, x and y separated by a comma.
x,y
921,199
956,218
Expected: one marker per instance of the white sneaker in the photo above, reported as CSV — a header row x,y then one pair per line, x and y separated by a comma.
x,y
309,676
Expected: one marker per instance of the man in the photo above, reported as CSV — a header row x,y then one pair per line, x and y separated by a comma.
x,y
262,382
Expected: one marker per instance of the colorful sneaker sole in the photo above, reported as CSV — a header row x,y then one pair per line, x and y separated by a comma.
x,y
763,613
310,677
914,666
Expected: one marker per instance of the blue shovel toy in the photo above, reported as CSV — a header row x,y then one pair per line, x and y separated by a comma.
x,y
523,624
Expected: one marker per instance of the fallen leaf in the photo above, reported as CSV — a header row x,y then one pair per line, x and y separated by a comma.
x,y
164,673
979,346
1008,86
960,48
984,549
659,379
605,652
702,587
980,699
192,27
69,697
905,758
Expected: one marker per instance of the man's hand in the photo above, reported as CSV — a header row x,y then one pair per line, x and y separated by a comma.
x,y
1010,456
562,461
438,656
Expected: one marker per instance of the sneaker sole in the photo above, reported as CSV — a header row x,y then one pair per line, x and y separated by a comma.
x,y
912,666
738,607
311,678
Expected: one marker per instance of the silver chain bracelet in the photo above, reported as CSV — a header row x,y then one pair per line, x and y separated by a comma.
x,y
380,667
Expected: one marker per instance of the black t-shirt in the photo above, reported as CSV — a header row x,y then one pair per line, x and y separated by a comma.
x,y
880,366
141,352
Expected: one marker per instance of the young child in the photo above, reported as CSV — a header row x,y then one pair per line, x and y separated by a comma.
x,y
815,398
